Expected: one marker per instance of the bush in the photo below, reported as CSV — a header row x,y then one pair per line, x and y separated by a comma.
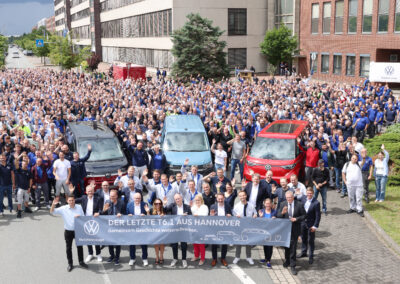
x,y
391,140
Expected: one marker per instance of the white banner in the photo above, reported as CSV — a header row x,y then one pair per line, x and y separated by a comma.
x,y
384,72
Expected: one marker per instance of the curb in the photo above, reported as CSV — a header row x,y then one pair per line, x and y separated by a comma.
x,y
382,235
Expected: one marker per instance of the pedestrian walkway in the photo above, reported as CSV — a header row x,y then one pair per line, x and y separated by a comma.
x,y
347,251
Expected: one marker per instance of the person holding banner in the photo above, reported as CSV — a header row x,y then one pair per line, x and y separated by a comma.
x,y
267,212
179,208
199,209
243,209
114,207
69,212
158,209
138,208
294,211
221,208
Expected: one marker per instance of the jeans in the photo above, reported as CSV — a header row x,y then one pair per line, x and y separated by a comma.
x,y
338,177
234,163
132,252
380,183
42,187
6,190
117,252
268,253
323,191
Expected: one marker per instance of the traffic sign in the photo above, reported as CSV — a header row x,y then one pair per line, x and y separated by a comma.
x,y
39,43
313,56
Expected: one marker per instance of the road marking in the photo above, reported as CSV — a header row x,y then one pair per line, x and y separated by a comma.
x,y
239,273
104,274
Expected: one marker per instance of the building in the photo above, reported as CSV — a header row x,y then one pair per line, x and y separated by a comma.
x,y
41,23
346,35
51,24
139,31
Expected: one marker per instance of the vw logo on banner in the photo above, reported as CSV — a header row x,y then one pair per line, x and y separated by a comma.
x,y
389,70
91,227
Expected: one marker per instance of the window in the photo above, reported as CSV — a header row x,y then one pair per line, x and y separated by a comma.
x,y
237,22
324,63
352,16
237,57
383,16
284,13
326,23
367,16
274,149
314,18
337,64
364,65
397,17
350,65
339,17
314,64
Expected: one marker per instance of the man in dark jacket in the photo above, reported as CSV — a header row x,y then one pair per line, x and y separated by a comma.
x,y
140,158
78,171
39,181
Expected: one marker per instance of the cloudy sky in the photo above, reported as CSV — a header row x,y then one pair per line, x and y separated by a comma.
x,y
19,16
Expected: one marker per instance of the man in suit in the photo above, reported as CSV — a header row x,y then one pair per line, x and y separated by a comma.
x,y
310,224
256,191
91,207
193,175
114,207
220,209
138,208
178,208
129,192
294,211
103,194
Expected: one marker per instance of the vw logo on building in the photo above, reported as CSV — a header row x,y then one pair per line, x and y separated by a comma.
x,y
267,167
91,227
389,70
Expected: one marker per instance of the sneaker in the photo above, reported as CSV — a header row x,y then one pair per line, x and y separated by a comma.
x,y
184,263
36,209
19,214
236,260
110,259
99,258
250,261
361,213
173,263
1,214
89,258
376,200
145,262
269,265
48,207
262,260
201,262
132,262
350,211
116,262
28,210
380,200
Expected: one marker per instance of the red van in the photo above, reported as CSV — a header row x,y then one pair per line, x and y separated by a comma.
x,y
276,148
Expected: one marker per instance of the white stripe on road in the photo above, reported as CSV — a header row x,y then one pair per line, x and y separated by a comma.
x,y
239,273
104,274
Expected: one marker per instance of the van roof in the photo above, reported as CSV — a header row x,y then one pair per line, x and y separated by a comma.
x,y
91,129
183,123
284,129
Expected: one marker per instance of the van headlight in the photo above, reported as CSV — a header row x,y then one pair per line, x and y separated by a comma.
x,y
208,165
289,167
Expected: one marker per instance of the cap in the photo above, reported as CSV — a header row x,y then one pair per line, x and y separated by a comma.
x,y
320,161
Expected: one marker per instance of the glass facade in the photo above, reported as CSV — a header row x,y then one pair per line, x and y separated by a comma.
x,y
237,57
284,13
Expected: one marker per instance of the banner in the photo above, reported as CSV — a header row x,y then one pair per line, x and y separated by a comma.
x,y
150,230
384,72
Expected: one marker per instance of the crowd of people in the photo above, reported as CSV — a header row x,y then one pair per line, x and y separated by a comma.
x,y
36,106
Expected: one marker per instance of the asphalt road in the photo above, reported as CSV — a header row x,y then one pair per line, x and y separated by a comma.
x,y
19,63
33,251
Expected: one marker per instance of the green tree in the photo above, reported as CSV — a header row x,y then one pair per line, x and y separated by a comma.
x,y
62,53
279,45
198,50
3,49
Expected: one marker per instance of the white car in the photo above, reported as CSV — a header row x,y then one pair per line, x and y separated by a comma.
x,y
15,54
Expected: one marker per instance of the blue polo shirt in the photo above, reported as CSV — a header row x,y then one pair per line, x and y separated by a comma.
x,y
362,123
372,114
367,165
5,174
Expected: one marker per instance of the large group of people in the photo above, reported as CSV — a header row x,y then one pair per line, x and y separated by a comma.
x,y
37,105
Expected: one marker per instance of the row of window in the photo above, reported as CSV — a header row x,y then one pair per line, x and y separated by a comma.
x,y
59,11
80,15
77,2
114,4
82,32
140,56
56,2
157,24
60,22
350,69
367,14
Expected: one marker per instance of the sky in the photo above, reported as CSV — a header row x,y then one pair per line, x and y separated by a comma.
x,y
19,16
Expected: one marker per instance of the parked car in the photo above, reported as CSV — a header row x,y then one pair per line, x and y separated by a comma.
x,y
107,154
276,148
15,54
184,136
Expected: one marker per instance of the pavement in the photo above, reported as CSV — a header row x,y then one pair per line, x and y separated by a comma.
x,y
21,62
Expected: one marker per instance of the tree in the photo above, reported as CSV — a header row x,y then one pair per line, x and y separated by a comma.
x,y
93,61
279,45
62,53
198,50
3,49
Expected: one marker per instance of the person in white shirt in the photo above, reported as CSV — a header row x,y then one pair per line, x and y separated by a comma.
x,y
190,193
166,191
62,173
221,157
127,177
352,177
199,209
244,209
381,174
298,188
193,175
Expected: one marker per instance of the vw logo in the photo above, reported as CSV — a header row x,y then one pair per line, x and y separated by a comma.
x,y
91,227
389,70
267,167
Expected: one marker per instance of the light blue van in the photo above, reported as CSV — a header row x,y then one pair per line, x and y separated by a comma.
x,y
184,136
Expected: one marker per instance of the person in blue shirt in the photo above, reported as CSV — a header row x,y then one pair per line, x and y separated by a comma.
x,y
372,113
367,166
267,212
78,171
158,160
379,121
360,125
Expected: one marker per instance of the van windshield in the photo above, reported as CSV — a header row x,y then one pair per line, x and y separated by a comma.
x,y
274,149
186,142
102,149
